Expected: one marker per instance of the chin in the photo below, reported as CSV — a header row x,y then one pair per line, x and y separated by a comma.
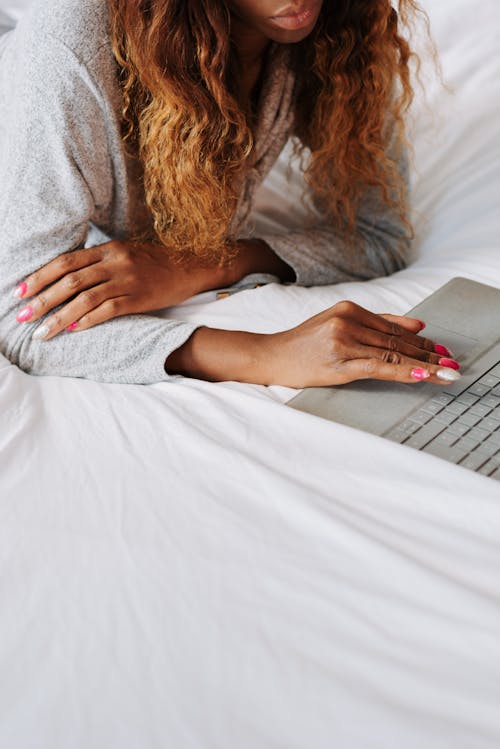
x,y
288,37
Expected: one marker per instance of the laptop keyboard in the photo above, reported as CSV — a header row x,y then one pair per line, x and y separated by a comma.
x,y
463,428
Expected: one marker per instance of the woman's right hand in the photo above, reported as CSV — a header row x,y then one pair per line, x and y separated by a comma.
x,y
339,345
347,342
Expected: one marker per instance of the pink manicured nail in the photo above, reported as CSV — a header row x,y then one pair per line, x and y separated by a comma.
x,y
422,324
25,314
420,374
442,350
72,326
21,290
449,363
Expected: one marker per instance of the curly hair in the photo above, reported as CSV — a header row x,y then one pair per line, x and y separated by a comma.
x,y
182,115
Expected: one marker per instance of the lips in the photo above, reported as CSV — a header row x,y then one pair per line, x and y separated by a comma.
x,y
294,18
290,11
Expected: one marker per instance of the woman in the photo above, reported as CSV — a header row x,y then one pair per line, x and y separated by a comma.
x,y
151,125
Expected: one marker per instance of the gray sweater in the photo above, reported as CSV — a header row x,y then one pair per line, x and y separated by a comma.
x,y
66,183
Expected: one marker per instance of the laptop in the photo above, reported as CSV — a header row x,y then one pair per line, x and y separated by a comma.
x,y
459,422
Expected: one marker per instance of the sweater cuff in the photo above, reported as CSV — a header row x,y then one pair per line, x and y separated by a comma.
x,y
175,339
290,248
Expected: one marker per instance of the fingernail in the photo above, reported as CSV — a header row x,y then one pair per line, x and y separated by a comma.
x,y
25,314
41,332
442,350
422,324
449,363
420,374
72,326
21,290
448,374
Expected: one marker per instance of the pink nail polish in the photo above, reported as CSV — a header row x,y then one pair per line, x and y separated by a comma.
x,y
451,363
442,350
21,290
420,374
25,314
422,324
72,326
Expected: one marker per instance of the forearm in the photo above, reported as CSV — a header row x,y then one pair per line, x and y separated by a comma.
x,y
338,345
221,355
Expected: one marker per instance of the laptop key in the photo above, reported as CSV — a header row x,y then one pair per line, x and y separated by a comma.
x,y
488,448
421,417
495,474
487,468
470,419
453,454
480,409
494,438
489,400
478,433
457,408
447,438
445,417
489,424
489,380
458,428
409,426
402,431
397,435
433,407
478,389
467,444
474,461
424,435
442,398
468,398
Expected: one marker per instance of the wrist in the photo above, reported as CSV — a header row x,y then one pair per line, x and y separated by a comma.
x,y
255,256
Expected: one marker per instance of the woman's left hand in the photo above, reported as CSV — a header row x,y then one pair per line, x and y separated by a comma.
x,y
109,280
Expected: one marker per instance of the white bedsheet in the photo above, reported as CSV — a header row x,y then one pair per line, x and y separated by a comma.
x,y
190,565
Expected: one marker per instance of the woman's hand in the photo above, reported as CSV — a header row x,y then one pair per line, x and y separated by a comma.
x,y
123,278
341,344
117,278
346,343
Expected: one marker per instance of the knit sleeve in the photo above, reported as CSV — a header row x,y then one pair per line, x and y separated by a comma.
x,y
320,256
56,179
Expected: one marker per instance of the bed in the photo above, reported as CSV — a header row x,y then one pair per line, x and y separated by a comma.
x,y
197,566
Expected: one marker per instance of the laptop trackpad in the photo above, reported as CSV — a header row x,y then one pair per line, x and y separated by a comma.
x,y
359,404
464,317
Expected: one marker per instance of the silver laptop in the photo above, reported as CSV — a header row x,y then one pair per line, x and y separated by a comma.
x,y
459,422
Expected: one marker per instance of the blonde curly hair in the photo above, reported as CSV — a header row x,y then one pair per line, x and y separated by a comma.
x,y
181,111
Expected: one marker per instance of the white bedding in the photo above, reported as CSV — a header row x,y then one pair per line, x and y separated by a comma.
x,y
190,565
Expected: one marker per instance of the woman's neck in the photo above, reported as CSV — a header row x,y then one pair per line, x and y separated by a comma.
x,y
250,44
250,48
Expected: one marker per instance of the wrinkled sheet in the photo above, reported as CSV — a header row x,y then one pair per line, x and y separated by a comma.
x,y
193,565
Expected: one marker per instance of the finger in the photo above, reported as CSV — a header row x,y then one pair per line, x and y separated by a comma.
x,y
379,322
384,344
409,323
72,312
111,308
56,269
62,291
407,329
407,370
389,327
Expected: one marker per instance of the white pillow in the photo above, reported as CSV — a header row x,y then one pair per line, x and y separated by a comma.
x,y
10,13
12,10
